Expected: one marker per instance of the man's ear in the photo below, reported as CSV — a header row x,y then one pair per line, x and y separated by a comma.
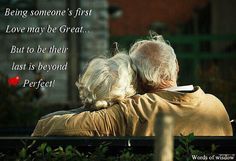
x,y
177,66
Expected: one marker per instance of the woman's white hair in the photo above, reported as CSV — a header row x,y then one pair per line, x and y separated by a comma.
x,y
155,61
107,80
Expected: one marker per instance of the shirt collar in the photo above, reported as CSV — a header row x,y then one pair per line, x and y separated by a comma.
x,y
186,88
183,96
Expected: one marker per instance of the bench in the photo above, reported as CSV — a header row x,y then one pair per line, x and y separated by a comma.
x,y
138,144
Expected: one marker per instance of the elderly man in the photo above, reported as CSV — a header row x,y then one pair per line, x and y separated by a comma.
x,y
193,110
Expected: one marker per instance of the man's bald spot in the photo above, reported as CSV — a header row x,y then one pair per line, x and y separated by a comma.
x,y
150,50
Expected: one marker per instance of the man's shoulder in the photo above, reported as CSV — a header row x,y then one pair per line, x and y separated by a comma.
x,y
214,99
206,95
196,95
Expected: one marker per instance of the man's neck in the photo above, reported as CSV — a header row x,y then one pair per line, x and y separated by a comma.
x,y
163,86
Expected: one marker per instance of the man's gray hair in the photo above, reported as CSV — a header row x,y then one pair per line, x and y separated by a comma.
x,y
155,61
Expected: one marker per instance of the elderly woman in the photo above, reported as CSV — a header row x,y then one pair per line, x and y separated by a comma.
x,y
104,82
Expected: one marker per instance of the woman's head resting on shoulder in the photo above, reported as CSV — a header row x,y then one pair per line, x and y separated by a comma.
x,y
107,80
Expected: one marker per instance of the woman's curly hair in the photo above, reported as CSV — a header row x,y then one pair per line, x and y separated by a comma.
x,y
107,80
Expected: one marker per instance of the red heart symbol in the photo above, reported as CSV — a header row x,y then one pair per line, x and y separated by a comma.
x,y
14,81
